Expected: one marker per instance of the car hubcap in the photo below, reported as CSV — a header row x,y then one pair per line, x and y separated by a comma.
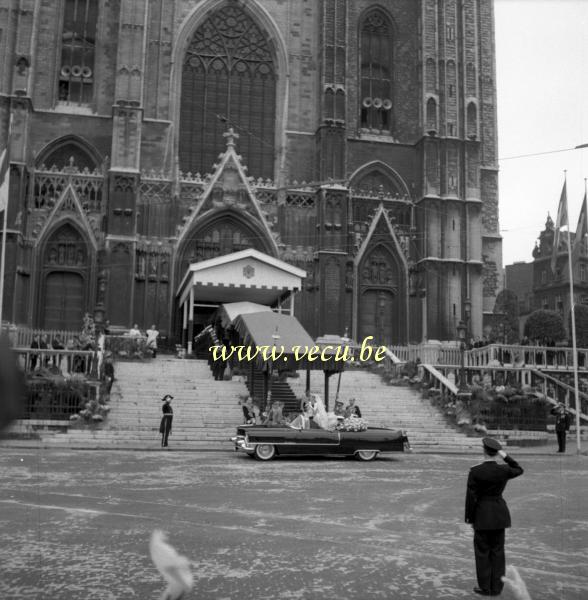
x,y
265,451
367,454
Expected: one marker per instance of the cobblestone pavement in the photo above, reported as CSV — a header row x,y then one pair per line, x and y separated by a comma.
x,y
76,524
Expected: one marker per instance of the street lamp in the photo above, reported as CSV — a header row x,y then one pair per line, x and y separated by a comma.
x,y
461,336
467,309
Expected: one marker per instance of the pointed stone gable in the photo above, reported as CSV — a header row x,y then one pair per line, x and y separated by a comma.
x,y
69,204
381,229
229,188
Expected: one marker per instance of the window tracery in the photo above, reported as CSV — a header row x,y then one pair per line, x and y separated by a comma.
x,y
76,74
229,80
376,73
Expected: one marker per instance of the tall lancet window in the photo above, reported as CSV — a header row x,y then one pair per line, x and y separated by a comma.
x,y
376,101
228,80
78,43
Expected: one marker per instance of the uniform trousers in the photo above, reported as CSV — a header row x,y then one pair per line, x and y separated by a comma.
x,y
165,428
490,560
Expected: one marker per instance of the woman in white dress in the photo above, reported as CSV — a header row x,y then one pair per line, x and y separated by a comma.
x,y
322,418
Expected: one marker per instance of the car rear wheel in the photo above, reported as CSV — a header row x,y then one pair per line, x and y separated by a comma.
x,y
366,454
264,451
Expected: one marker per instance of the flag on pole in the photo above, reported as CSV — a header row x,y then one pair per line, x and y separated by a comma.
x,y
4,179
561,221
581,229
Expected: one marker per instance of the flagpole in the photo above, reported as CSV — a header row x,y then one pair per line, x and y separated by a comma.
x,y
578,400
573,325
3,260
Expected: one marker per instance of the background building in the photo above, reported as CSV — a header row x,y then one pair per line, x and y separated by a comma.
x,y
552,290
518,278
366,155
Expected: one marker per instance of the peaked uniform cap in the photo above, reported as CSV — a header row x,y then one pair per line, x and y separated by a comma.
x,y
491,444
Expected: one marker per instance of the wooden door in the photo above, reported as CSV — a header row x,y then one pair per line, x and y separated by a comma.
x,y
377,315
63,301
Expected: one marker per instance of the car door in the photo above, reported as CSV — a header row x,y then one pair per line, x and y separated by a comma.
x,y
316,441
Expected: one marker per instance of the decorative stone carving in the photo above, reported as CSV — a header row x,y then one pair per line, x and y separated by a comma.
x,y
66,248
377,270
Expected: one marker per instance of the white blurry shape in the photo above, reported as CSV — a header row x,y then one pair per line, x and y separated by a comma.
x,y
174,567
515,582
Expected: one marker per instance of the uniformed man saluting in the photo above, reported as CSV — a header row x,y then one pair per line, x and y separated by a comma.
x,y
487,512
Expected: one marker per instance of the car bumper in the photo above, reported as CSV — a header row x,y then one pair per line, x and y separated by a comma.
x,y
242,444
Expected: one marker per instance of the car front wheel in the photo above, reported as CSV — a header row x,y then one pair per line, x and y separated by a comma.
x,y
264,451
366,454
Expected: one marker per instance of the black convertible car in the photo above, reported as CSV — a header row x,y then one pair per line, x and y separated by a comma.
x,y
267,442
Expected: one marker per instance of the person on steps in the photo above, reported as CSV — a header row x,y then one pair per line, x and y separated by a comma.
x,y
166,420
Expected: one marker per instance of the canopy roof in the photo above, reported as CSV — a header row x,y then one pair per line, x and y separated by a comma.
x,y
247,275
284,331
229,312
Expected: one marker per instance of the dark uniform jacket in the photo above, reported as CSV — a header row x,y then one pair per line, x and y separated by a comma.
x,y
562,419
167,411
485,507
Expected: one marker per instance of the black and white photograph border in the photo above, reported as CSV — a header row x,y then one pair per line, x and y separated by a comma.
x,y
291,305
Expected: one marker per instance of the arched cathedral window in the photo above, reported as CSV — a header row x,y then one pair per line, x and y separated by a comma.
x,y
69,154
376,72
228,80
78,39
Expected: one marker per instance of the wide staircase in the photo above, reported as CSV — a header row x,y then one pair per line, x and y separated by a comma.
x,y
206,411
398,407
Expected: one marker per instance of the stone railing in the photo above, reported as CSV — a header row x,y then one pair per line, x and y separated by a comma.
x,y
22,337
449,353
430,353
559,391
542,357
70,362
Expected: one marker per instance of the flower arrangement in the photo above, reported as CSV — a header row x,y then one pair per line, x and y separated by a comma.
x,y
353,424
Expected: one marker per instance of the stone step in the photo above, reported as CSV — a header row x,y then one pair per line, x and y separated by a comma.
x,y
206,412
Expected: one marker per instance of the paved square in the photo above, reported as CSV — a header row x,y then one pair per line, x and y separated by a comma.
x,y
77,525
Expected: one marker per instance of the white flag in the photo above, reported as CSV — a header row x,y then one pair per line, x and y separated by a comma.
x,y
561,221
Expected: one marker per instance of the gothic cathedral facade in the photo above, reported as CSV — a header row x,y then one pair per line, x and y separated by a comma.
x,y
364,137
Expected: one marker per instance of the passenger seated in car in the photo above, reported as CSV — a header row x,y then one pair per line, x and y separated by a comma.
x,y
352,410
248,412
275,417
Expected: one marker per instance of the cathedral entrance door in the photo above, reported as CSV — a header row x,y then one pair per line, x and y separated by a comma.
x,y
64,301
379,305
376,317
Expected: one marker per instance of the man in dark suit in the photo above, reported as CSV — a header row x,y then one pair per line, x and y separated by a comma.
x,y
562,425
487,512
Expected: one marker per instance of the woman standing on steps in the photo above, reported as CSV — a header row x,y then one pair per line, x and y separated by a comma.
x,y
166,421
